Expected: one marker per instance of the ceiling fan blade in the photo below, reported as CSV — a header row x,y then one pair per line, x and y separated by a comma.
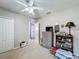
x,y
30,3
26,9
38,8
21,3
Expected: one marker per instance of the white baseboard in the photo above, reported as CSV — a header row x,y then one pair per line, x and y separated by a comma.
x,y
16,48
76,55
10,50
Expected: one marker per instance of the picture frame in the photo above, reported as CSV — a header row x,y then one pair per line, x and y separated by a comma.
x,y
57,28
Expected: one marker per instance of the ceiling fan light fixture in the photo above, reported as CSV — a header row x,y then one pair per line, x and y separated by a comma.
x,y
31,10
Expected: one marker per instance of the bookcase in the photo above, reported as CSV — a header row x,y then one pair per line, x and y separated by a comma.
x,y
64,42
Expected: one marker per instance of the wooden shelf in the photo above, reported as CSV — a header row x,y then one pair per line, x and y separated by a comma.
x,y
69,49
60,41
64,40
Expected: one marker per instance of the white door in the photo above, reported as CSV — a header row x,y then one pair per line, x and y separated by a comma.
x,y
6,34
0,37
37,32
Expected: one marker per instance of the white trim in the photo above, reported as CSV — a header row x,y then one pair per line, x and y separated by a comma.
x,y
16,48
10,50
76,54
6,17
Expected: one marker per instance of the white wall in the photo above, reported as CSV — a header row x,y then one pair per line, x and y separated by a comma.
x,y
20,26
62,17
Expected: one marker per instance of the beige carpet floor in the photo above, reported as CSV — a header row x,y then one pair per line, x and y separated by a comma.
x,y
32,51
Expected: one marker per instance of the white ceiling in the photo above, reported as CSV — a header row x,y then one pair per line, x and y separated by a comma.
x,y
54,5
57,4
11,5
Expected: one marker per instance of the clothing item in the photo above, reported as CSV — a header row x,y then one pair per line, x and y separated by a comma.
x,y
64,54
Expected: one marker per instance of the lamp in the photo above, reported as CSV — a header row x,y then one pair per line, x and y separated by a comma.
x,y
69,25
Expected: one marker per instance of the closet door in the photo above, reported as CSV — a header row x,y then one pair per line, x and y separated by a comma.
x,y
1,36
6,34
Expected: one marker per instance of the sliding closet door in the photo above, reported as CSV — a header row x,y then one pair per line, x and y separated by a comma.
x,y
1,36
6,34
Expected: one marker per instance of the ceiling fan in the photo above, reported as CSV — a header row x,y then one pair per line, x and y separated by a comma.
x,y
29,6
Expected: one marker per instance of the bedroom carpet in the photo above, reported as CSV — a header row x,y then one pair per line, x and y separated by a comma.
x,y
32,51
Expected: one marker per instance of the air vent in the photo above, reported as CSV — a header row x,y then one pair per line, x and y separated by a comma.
x,y
48,13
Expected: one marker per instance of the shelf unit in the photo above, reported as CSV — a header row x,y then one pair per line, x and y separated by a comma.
x,y
64,42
